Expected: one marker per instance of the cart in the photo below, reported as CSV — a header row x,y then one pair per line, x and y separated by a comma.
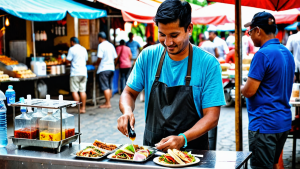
x,y
56,145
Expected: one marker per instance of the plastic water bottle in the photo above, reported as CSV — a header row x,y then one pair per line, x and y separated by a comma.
x,y
22,100
11,95
3,122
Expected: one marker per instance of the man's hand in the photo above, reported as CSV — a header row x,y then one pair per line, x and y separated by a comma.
x,y
123,122
171,142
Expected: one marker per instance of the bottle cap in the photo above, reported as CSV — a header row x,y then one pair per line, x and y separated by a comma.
x,y
22,99
10,87
60,97
28,97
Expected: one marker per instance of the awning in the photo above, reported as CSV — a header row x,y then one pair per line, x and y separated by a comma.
x,y
219,13
274,5
49,10
138,10
292,27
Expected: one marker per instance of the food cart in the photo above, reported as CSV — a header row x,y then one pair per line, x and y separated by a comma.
x,y
32,157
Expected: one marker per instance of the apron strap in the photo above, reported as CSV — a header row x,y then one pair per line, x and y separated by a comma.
x,y
188,75
160,65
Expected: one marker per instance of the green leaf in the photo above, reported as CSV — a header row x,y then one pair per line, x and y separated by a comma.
x,y
130,148
118,152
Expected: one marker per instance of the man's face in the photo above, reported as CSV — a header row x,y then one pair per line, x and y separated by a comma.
x,y
211,36
174,37
99,39
255,34
72,43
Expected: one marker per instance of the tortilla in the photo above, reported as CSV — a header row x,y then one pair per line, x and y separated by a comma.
x,y
182,156
176,158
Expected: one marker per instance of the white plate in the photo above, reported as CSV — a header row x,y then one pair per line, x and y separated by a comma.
x,y
155,160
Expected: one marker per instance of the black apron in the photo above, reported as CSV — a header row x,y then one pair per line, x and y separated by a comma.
x,y
171,110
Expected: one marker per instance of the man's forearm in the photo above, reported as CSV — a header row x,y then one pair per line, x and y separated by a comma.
x,y
205,124
127,102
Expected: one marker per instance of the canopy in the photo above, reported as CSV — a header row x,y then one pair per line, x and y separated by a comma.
x,y
138,10
218,13
49,10
274,5
292,27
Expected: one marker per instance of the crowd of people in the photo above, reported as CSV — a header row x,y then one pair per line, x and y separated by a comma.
x,y
109,57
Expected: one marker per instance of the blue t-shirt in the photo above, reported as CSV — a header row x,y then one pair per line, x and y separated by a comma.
x,y
269,110
134,46
206,76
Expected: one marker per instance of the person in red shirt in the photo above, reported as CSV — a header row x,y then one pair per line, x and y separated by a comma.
x,y
230,56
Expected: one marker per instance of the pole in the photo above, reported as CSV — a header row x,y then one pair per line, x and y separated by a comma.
x,y
238,77
76,27
33,40
108,29
3,37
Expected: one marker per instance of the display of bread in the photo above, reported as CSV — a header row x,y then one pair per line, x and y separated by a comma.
x,y
24,73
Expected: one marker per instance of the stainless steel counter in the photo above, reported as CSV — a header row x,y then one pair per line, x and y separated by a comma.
x,y
33,157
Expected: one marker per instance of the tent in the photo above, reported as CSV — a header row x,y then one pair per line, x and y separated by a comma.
x,y
221,10
47,10
145,10
274,5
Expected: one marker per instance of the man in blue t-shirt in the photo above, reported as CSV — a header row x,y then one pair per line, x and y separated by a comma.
x,y
134,46
268,90
183,85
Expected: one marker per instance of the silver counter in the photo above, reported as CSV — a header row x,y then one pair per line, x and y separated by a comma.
x,y
35,158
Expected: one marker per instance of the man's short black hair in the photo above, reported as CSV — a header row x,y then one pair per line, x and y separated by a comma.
x,y
122,42
130,34
74,39
172,10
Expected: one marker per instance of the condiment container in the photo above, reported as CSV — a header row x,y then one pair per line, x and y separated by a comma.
x,y
296,89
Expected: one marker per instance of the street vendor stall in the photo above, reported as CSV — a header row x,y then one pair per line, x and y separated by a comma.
x,y
29,157
44,11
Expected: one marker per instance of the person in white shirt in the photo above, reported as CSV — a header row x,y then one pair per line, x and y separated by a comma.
x,y
293,45
208,46
77,56
220,43
106,61
230,41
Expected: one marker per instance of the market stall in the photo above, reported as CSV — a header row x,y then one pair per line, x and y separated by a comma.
x,y
45,37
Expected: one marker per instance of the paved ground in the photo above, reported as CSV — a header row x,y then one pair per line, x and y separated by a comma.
x,y
101,124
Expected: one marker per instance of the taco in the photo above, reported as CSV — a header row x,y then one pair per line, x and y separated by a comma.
x,y
170,158
184,156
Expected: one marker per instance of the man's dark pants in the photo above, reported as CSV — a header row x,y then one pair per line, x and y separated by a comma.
x,y
265,148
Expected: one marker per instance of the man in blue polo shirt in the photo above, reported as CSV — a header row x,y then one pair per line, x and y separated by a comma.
x,y
183,85
268,91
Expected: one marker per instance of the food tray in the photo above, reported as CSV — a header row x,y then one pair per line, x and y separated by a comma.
x,y
148,147
106,152
118,147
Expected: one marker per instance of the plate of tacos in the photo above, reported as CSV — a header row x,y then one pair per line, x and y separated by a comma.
x,y
91,152
176,158
132,153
